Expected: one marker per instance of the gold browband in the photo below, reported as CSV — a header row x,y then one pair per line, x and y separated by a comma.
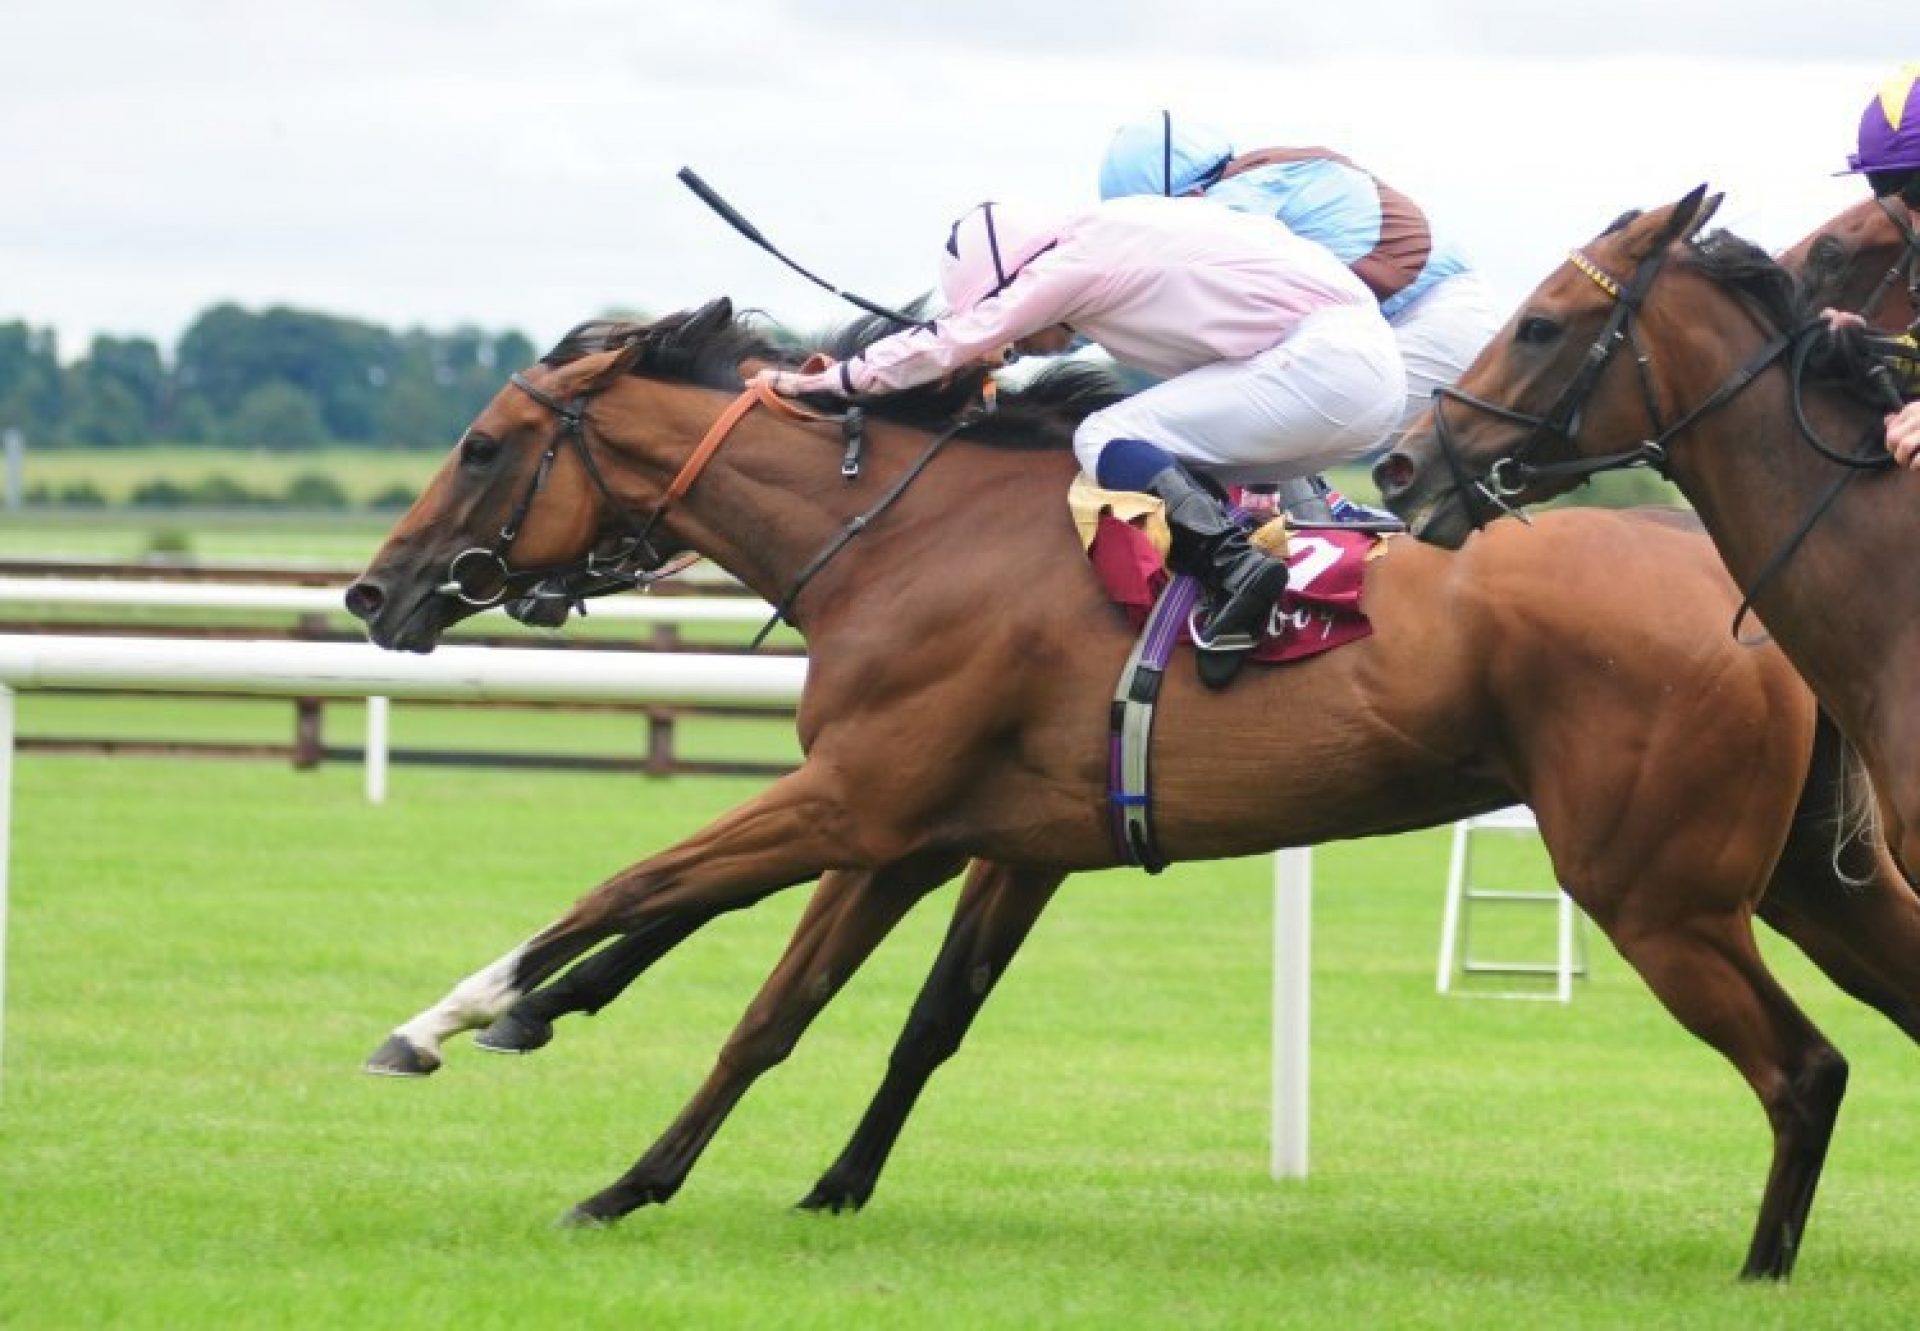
x,y
1600,277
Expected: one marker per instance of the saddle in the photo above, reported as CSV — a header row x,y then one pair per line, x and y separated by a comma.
x,y
1126,541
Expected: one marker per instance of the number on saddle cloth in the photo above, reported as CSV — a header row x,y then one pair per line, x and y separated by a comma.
x,y
1319,611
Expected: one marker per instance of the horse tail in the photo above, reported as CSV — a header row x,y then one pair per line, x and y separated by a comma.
x,y
1840,802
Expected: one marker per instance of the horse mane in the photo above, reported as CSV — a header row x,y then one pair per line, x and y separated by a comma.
x,y
1742,267
1041,414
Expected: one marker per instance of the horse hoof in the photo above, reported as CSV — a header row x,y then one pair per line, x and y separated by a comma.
x,y
515,1035
836,1201
401,1057
579,1217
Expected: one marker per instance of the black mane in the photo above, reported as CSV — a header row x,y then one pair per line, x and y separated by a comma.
x,y
1747,270
702,348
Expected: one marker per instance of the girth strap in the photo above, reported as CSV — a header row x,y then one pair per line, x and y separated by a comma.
x,y
1130,725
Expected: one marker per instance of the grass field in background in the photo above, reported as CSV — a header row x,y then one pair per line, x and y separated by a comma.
x,y
343,540
201,954
117,472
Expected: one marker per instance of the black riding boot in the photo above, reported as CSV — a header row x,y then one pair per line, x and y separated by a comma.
x,y
1242,582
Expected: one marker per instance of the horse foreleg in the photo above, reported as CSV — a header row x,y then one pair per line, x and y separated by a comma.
x,y
996,910
788,834
1710,976
848,916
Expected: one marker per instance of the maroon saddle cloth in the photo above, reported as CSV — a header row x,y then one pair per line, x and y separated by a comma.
x,y
1320,610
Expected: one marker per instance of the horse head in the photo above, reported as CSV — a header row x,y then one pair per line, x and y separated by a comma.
x,y
1538,410
1866,259
541,492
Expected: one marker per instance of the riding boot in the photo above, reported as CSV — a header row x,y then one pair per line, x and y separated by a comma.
x,y
1242,581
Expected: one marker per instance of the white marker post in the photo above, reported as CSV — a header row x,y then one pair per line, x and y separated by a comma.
x,y
1292,991
6,850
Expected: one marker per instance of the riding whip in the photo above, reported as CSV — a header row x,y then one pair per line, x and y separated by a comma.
x,y
732,218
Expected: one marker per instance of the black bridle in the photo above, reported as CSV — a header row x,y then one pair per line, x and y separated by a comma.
x,y
1513,473
481,575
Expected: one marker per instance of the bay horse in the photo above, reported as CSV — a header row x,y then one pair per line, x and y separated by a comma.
x,y
1786,468
962,659
1866,260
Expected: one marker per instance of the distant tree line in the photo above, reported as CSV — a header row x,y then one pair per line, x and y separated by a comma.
x,y
280,379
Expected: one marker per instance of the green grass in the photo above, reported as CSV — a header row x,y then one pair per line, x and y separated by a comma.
x,y
343,540
202,953
117,472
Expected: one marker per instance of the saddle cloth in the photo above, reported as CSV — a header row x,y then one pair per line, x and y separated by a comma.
x,y
1319,611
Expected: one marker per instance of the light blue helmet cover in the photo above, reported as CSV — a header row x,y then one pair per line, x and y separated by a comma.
x,y
1161,155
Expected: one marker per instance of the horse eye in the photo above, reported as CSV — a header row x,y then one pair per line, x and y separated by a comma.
x,y
1536,330
477,450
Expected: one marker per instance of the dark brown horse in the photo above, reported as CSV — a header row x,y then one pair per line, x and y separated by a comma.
x,y
1865,260
962,661
1784,466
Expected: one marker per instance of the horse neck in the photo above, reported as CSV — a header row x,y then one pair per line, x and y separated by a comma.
x,y
1754,481
773,499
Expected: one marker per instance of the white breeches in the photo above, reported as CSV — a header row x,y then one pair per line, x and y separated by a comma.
x,y
1326,395
1439,336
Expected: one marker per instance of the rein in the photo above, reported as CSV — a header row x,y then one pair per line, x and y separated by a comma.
x,y
857,524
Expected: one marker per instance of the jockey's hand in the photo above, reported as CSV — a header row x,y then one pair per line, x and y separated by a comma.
x,y
1903,435
1839,319
799,383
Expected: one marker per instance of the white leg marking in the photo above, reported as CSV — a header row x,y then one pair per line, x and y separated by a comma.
x,y
474,1002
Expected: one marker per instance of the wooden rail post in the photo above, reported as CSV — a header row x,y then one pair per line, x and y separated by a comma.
x,y
308,721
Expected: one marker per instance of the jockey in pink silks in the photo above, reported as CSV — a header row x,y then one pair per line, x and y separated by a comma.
x,y
1274,359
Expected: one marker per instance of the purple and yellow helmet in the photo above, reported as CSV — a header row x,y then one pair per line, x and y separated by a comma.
x,y
1890,127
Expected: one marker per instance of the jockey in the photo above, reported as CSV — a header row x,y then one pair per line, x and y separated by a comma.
x,y
1889,156
1439,309
1273,357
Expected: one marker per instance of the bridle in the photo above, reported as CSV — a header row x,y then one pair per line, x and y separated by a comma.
x,y
1514,473
482,575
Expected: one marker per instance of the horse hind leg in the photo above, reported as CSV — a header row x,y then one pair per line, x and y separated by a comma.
x,y
1842,901
1710,976
590,985
852,911
995,912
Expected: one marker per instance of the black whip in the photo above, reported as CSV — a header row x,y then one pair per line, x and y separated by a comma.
x,y
732,218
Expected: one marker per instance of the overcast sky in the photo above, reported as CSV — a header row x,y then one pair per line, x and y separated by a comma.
x,y
512,165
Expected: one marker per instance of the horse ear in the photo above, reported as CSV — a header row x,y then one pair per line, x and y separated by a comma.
x,y
1686,216
1707,210
590,373
1653,231
704,322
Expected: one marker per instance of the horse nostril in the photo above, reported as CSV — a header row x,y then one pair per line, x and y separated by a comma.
x,y
364,600
1394,473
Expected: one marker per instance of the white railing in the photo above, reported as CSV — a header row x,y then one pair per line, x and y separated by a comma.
x,y
130,593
